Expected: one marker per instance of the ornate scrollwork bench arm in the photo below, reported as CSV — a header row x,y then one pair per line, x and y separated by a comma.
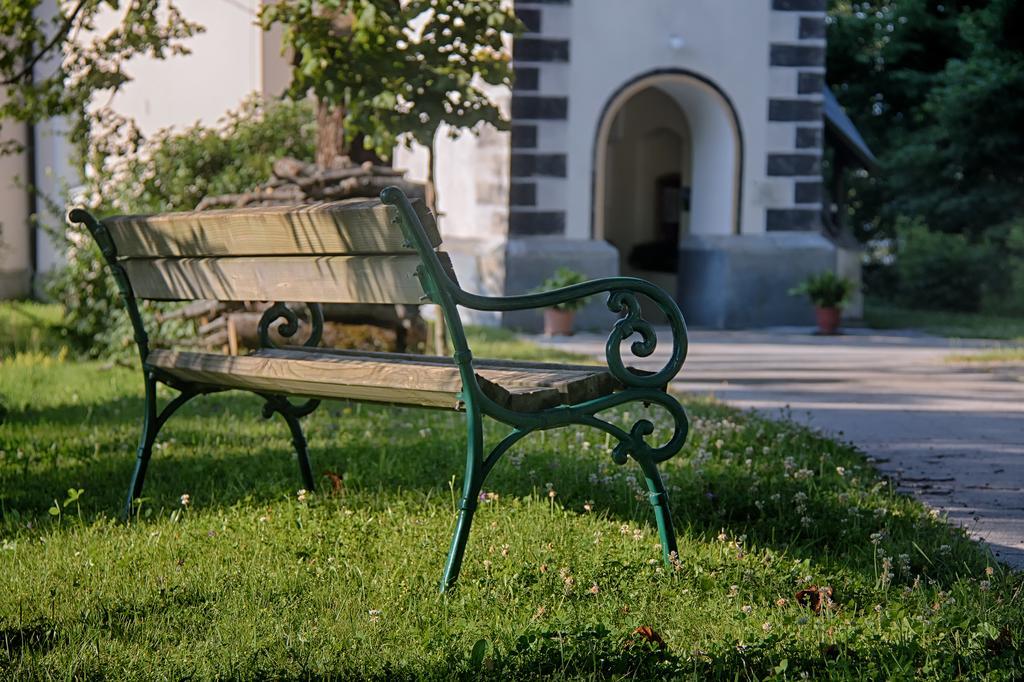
x,y
622,293
648,388
622,298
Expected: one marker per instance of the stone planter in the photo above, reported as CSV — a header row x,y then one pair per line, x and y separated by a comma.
x,y
558,322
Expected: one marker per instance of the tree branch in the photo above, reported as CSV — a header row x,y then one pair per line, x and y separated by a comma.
x,y
68,22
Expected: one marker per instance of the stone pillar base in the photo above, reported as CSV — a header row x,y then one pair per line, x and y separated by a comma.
x,y
737,281
531,260
519,265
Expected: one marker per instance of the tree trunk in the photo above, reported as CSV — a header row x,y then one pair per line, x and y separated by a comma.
x,y
440,337
330,133
431,191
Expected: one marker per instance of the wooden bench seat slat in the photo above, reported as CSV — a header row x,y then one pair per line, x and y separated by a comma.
x,y
576,383
428,382
324,279
327,228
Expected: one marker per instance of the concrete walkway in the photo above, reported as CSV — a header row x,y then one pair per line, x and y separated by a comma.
x,y
953,435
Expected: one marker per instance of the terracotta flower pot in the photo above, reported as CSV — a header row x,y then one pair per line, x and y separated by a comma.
x,y
828,320
558,322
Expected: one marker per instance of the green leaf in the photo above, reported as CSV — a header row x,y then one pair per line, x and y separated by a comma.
x,y
476,658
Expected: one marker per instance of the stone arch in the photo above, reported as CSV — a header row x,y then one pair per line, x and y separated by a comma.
x,y
715,149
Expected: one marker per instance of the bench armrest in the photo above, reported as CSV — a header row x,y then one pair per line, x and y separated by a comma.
x,y
622,299
622,293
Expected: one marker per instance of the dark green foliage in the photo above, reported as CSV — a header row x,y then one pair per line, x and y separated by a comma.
x,y
389,68
561,278
825,289
1005,277
937,89
964,172
939,271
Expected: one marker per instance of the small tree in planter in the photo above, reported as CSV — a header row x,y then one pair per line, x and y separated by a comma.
x,y
828,292
558,319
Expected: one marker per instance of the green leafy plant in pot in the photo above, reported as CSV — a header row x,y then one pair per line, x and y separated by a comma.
x,y
828,292
559,319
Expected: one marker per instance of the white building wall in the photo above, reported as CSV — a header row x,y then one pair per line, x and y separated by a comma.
x,y
472,176
15,266
226,64
230,60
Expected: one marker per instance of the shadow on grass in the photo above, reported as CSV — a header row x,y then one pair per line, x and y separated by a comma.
x,y
220,451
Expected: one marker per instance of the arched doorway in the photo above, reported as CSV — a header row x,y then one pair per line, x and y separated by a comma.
x,y
668,162
646,177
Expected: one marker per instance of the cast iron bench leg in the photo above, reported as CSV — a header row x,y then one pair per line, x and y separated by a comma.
x,y
658,497
474,479
151,425
291,414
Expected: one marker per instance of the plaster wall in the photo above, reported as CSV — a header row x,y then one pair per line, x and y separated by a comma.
x,y
230,60
15,263
472,179
226,64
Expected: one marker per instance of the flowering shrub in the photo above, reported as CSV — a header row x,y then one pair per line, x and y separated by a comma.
x,y
170,171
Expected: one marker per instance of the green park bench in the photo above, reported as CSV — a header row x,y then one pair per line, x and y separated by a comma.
x,y
382,252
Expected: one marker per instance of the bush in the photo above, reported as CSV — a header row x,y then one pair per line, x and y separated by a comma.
x,y
825,289
561,278
170,171
174,170
1005,290
937,270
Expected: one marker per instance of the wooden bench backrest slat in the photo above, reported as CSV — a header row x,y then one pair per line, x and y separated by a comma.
x,y
328,228
322,279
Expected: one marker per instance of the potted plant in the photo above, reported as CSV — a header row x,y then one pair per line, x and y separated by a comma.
x,y
558,319
828,292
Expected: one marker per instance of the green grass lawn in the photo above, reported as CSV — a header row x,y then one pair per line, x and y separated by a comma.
x,y
249,581
489,342
962,325
996,356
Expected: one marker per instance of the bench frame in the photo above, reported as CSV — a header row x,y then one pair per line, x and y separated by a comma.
x,y
442,290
